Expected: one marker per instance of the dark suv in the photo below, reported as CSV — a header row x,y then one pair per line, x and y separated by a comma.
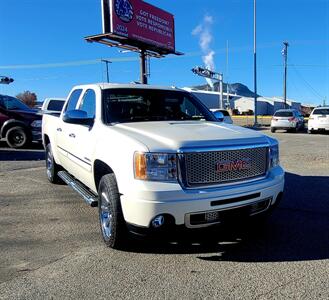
x,y
19,124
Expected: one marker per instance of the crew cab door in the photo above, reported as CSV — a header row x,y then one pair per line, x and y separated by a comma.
x,y
82,139
63,140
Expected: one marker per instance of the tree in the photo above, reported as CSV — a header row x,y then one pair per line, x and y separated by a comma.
x,y
28,98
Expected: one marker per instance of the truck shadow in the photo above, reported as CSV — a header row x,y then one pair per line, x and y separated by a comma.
x,y
34,152
298,230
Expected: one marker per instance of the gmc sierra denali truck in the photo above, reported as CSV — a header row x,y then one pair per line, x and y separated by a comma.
x,y
154,158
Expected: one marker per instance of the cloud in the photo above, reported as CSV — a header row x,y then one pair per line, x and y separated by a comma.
x,y
203,31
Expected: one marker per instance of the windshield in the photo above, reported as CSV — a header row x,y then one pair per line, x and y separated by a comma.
x,y
11,103
140,105
321,111
283,114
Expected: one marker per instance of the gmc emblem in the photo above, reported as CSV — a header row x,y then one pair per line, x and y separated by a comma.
x,y
233,165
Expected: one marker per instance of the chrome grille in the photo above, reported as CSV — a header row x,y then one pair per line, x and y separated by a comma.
x,y
201,167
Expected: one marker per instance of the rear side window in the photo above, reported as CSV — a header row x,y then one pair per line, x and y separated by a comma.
x,y
73,100
321,111
88,103
55,105
284,114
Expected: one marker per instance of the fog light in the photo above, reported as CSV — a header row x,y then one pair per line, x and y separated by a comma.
x,y
158,221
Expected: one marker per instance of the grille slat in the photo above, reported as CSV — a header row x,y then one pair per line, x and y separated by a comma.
x,y
208,168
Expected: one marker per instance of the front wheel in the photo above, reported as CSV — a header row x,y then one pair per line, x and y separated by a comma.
x,y
51,166
17,137
112,223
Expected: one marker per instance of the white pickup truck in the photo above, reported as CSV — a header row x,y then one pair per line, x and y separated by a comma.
x,y
153,159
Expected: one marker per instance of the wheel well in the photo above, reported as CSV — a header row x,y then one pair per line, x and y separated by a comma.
x,y
46,140
12,124
100,169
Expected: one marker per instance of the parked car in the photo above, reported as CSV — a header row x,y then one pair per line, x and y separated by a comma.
x,y
318,120
155,159
19,124
52,105
288,119
227,118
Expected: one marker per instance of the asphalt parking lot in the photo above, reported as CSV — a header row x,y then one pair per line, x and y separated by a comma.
x,y
51,248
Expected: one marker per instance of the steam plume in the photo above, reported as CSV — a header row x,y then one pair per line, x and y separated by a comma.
x,y
203,31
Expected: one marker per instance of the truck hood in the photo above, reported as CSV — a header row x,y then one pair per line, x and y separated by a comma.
x,y
175,135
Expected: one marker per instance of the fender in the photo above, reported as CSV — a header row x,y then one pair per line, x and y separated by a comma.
x,y
11,123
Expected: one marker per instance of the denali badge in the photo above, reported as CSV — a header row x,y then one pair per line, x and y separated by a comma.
x,y
233,165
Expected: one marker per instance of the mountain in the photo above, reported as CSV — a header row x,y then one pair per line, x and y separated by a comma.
x,y
238,88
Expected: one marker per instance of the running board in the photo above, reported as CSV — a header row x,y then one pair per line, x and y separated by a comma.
x,y
87,195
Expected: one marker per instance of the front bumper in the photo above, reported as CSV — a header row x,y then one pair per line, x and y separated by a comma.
x,y
142,203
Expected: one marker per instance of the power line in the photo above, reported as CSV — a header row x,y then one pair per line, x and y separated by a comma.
x,y
307,83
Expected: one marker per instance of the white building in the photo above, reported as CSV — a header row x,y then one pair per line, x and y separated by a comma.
x,y
265,105
212,99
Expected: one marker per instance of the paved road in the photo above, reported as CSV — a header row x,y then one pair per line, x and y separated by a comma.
x,y
50,246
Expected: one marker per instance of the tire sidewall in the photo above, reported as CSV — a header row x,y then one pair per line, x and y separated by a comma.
x,y
108,186
51,171
14,130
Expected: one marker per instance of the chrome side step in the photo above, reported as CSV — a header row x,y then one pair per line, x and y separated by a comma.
x,y
87,195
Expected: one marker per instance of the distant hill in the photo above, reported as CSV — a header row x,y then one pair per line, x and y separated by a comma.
x,y
238,88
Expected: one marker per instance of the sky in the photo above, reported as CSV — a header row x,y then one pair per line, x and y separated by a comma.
x,y
42,46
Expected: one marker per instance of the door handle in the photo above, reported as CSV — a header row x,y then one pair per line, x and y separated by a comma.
x,y
72,135
59,129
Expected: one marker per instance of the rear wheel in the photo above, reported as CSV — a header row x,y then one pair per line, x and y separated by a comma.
x,y
17,137
272,129
51,166
310,131
112,223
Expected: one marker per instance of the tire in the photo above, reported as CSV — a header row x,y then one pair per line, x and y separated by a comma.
x,y
17,137
310,131
51,166
272,129
112,224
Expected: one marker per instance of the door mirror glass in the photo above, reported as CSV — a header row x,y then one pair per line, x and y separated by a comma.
x,y
219,116
77,116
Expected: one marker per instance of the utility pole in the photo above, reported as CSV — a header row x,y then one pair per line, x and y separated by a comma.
x,y
221,90
285,58
107,62
255,69
227,84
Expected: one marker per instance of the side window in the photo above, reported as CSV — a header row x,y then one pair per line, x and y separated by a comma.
x,y
73,100
88,103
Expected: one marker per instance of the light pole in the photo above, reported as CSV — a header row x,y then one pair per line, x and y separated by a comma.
x,y
285,58
255,69
107,62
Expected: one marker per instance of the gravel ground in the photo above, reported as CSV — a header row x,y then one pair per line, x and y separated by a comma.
x,y
50,245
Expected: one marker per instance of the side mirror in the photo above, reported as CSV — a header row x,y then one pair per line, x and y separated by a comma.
x,y
77,116
219,116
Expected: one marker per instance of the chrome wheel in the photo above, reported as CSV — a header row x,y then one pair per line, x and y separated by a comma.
x,y
49,164
106,216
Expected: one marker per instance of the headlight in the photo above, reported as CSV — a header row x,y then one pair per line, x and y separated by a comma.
x,y
155,166
36,123
274,155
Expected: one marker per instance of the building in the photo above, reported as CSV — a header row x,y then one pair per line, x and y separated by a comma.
x,y
211,99
265,105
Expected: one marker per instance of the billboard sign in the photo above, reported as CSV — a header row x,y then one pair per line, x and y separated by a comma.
x,y
139,22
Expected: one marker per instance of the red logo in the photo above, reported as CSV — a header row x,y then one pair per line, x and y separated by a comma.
x,y
233,165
